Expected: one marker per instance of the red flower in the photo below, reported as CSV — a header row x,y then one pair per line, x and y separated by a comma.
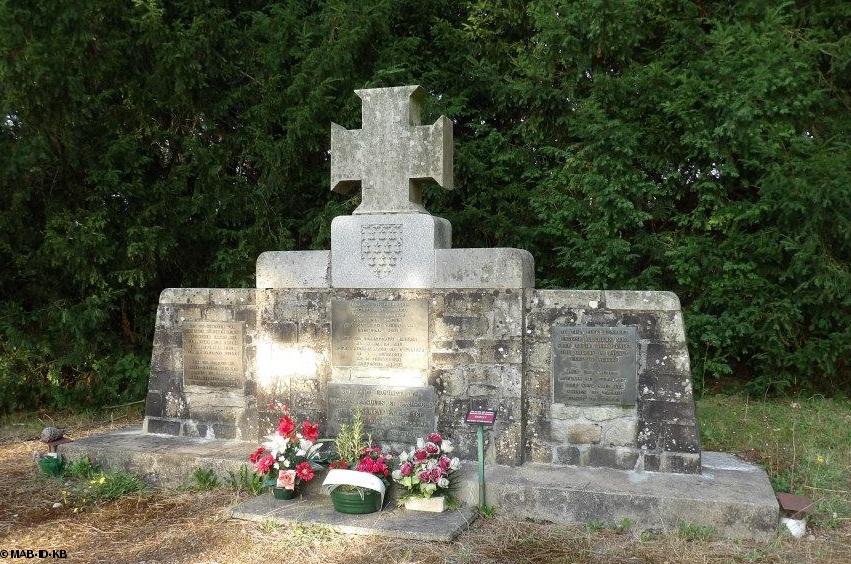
x,y
304,471
432,448
339,465
435,438
407,469
265,464
286,426
444,462
310,431
255,456
420,454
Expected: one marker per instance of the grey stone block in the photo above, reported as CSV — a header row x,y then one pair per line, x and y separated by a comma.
x,y
646,300
736,503
392,154
386,251
484,268
316,508
294,269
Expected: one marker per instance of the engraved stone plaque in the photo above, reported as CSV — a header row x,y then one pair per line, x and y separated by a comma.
x,y
594,365
212,354
391,414
379,333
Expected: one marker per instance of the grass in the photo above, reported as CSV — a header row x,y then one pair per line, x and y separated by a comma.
x,y
125,524
803,444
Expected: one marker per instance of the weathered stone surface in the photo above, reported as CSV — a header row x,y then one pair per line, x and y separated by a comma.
x,y
391,414
732,496
397,523
391,154
389,251
735,500
642,300
294,269
662,420
484,268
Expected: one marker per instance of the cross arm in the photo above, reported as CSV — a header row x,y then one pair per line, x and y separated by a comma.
x,y
432,152
346,148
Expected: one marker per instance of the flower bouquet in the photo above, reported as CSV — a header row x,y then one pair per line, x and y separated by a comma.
x,y
358,480
427,474
288,458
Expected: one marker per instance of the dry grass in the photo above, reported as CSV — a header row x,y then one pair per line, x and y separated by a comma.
x,y
176,526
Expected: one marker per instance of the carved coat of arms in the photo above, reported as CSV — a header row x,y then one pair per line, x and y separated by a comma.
x,y
381,247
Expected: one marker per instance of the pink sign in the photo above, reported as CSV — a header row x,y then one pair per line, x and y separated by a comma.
x,y
480,417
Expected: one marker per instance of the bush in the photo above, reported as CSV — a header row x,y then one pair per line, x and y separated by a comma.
x,y
699,147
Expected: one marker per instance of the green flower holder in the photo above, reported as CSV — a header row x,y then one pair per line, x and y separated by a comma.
x,y
52,466
283,493
356,502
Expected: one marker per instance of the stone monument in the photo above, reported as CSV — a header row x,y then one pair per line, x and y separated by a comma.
x,y
591,387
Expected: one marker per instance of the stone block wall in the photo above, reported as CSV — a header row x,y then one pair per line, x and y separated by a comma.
x,y
173,408
475,355
659,433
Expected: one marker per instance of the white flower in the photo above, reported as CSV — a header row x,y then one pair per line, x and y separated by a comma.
x,y
286,463
420,443
276,444
447,446
403,456
397,474
276,466
454,464
303,446
443,483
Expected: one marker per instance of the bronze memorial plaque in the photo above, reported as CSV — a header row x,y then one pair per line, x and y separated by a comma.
x,y
212,354
390,414
379,333
594,365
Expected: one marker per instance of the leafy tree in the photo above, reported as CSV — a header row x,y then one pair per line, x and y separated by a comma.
x,y
700,147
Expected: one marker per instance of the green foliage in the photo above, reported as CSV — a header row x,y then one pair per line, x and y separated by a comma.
x,y
694,532
81,468
204,480
699,147
245,481
89,484
351,440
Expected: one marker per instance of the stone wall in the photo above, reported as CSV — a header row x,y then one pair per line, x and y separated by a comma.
x,y
659,433
225,410
475,359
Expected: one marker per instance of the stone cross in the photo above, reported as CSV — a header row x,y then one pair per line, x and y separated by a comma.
x,y
392,154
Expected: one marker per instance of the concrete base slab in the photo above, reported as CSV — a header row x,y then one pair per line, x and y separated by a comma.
x,y
317,509
164,460
731,496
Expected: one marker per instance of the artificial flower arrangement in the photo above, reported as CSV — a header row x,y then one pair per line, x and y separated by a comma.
x,y
358,479
289,457
427,473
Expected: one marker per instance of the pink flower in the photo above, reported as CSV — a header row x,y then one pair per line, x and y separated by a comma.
x,y
304,471
432,448
444,462
286,426
424,476
255,456
286,479
264,464
420,454
435,438
407,469
310,431
435,474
